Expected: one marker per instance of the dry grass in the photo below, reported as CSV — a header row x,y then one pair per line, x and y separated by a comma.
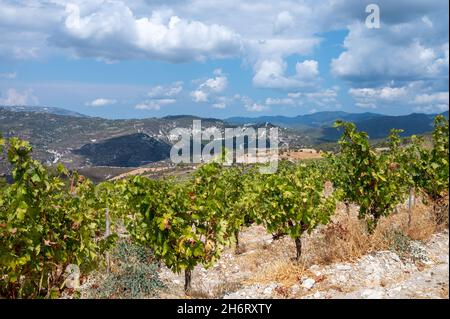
x,y
347,239
344,240
284,272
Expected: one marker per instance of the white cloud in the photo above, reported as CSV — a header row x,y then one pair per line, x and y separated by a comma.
x,y
16,98
439,97
199,96
219,105
374,97
221,102
9,76
173,89
112,30
216,85
154,105
251,105
307,70
272,74
410,95
405,52
101,102
427,21
280,101
211,86
284,21
255,107
325,98
434,102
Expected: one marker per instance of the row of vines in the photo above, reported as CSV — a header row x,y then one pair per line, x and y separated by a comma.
x,y
51,220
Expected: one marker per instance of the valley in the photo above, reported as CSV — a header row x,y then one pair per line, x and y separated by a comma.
x,y
104,148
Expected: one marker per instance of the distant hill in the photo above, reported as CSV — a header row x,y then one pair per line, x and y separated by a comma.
x,y
319,119
42,109
126,151
81,141
380,127
320,124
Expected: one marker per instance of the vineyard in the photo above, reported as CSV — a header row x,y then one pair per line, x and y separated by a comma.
x,y
50,221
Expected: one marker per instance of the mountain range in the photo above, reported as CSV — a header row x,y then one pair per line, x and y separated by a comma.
x,y
59,135
42,109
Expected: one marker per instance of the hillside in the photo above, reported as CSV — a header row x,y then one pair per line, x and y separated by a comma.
x,y
380,127
121,151
58,135
320,124
315,120
73,140
41,109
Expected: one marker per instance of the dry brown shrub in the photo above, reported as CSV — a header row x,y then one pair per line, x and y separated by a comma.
x,y
347,239
441,213
344,240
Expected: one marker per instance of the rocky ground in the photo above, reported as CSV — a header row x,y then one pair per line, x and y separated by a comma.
x,y
406,257
423,273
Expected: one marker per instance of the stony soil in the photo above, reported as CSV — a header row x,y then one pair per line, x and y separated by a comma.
x,y
382,274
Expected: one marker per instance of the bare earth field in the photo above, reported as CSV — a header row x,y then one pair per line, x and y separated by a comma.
x,y
301,155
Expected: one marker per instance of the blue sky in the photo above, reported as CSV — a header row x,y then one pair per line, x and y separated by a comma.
x,y
141,58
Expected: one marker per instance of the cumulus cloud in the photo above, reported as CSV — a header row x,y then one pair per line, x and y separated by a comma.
x,y
411,95
434,102
101,102
255,107
17,98
400,53
199,96
221,102
284,21
327,98
373,97
440,97
173,89
307,70
111,30
280,101
268,60
251,105
272,74
210,87
154,105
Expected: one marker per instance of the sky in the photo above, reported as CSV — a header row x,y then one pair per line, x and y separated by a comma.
x,y
152,58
